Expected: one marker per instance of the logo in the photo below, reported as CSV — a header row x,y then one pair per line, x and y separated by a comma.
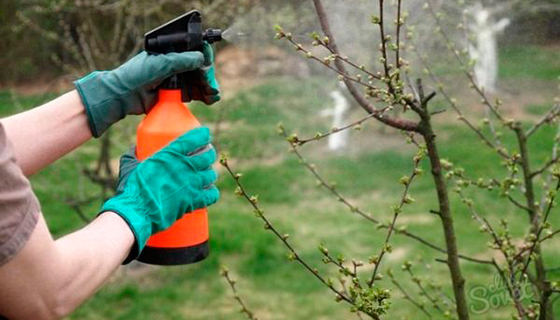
x,y
496,295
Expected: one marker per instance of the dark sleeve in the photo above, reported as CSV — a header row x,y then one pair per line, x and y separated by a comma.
x,y
19,208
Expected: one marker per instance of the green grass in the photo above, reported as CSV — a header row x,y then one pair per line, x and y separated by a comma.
x,y
515,62
11,102
273,287
529,62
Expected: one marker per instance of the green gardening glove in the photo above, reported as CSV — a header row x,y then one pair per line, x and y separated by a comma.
x,y
109,96
201,84
153,194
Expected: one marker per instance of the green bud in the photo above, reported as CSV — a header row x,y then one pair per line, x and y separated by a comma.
x,y
223,159
278,28
405,180
238,191
408,199
446,164
280,128
293,138
254,199
224,271
314,36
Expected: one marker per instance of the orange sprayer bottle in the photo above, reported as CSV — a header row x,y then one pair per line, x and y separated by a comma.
x,y
187,240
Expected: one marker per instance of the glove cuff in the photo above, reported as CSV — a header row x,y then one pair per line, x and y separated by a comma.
x,y
141,229
101,101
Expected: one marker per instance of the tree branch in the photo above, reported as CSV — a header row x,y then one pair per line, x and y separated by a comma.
x,y
553,113
397,123
405,198
408,297
253,200
355,209
250,315
445,214
500,150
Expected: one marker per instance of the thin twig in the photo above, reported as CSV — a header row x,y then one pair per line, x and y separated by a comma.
x,y
548,179
453,103
452,48
400,23
552,114
283,238
250,315
518,305
355,209
398,123
320,136
541,228
405,198
409,298
547,165
384,40
423,290
500,246
326,184
343,74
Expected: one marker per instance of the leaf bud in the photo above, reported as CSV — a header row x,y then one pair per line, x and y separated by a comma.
x,y
238,191
405,180
223,159
408,199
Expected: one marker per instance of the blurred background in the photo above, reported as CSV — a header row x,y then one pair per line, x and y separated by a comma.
x,y
46,45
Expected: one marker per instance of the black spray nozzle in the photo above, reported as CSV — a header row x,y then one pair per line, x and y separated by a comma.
x,y
181,34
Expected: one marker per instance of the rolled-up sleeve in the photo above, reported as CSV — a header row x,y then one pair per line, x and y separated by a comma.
x,y
19,208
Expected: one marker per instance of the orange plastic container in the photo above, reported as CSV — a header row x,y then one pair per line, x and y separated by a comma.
x,y
187,240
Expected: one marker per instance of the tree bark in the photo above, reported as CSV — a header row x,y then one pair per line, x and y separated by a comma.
x,y
446,219
545,290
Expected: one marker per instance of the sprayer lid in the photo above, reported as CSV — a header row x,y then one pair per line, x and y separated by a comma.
x,y
181,34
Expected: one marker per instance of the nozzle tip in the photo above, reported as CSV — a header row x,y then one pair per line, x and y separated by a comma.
x,y
212,35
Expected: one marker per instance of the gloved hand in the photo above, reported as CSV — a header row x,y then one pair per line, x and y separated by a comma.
x,y
201,84
153,194
109,96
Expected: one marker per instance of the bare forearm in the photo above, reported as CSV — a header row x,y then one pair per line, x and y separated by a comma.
x,y
91,256
42,135
48,279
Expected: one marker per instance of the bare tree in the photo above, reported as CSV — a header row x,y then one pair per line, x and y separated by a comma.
x,y
387,86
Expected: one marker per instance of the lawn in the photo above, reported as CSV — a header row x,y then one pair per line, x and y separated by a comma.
x,y
367,174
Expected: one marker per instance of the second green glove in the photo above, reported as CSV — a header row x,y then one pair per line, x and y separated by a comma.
x,y
155,193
